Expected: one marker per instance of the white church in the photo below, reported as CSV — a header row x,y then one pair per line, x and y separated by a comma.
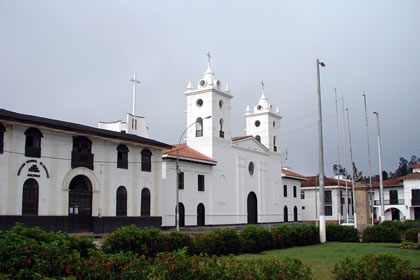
x,y
71,177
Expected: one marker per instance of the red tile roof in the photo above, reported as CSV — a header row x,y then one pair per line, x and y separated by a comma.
x,y
289,173
313,181
411,176
241,138
388,183
186,152
415,166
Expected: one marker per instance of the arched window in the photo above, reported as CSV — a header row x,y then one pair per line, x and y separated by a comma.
x,y
2,131
121,201
122,156
200,215
30,198
258,138
274,144
221,132
33,142
199,127
145,202
295,214
286,214
81,156
146,160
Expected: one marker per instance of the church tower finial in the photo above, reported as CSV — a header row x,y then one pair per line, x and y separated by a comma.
x,y
262,88
208,60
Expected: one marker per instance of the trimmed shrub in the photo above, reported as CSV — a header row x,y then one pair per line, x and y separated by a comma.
x,y
382,233
177,265
256,239
298,235
411,234
147,241
342,233
375,267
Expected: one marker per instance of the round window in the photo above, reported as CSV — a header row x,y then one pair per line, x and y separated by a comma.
x,y
202,83
257,123
221,104
199,102
259,107
274,124
251,168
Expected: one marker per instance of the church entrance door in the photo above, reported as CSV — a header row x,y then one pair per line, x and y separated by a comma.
x,y
80,204
252,208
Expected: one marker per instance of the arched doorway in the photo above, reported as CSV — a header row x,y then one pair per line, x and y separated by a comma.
x,y
200,215
295,214
286,214
181,215
121,201
80,204
395,214
30,198
252,208
145,202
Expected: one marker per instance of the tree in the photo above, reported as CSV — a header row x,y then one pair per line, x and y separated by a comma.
x,y
414,160
355,174
384,175
402,168
338,169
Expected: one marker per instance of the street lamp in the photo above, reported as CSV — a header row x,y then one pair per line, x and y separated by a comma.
x,y
381,184
177,173
322,230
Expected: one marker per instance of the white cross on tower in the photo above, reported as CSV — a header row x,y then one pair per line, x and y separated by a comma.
x,y
134,92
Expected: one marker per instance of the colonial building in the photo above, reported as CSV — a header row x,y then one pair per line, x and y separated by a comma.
x,y
225,179
336,205
71,177
401,197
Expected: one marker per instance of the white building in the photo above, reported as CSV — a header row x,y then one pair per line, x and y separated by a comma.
x,y
225,179
336,209
401,197
71,177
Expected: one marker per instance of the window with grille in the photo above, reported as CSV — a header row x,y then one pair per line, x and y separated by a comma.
x,y
33,142
122,157
146,160
181,180
121,201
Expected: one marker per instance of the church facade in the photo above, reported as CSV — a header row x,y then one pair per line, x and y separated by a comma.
x,y
226,179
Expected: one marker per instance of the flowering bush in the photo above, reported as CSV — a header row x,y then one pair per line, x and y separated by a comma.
x,y
342,233
381,233
287,236
178,265
375,267
217,242
411,234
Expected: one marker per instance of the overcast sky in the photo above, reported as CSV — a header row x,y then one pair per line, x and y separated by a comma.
x,y
71,60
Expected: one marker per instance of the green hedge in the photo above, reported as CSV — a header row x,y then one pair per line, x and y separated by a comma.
x,y
374,267
382,233
342,233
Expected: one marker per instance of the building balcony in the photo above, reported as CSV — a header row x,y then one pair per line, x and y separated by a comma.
x,y
391,202
415,202
79,159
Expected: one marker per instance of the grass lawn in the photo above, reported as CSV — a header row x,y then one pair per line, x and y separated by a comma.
x,y
323,257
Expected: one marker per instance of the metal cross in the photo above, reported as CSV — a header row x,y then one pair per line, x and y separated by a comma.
x,y
208,57
262,85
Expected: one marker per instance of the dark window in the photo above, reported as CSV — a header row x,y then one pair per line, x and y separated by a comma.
x,y
201,215
251,168
286,214
221,132
328,197
295,214
33,143
121,201
302,195
30,198
328,210
81,155
201,183
415,197
146,160
285,190
258,138
145,202
122,156
393,197
2,131
199,127
294,191
181,180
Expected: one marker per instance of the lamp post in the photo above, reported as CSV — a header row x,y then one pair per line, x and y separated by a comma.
x,y
177,174
381,184
322,230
